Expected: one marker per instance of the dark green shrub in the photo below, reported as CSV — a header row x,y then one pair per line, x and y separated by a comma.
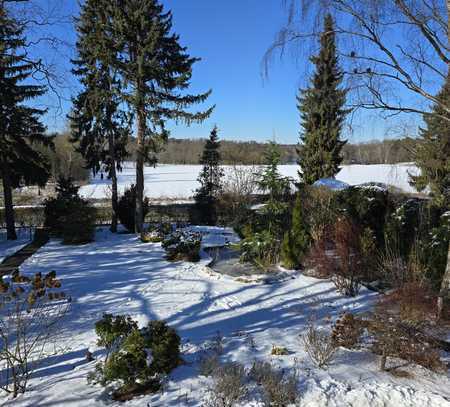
x,y
111,330
261,249
182,245
127,208
129,363
367,206
68,215
164,343
297,240
138,358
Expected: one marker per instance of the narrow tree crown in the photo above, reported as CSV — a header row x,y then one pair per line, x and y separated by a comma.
x,y
210,177
433,152
322,109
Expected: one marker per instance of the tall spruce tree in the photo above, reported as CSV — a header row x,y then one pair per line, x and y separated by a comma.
x,y
156,70
433,152
20,125
100,127
322,113
210,179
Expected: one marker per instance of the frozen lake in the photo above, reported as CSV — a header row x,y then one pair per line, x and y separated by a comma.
x,y
180,181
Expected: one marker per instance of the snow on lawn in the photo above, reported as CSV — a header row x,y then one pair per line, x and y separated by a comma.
x,y
121,275
9,247
179,181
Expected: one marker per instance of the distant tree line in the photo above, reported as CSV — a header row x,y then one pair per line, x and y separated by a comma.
x,y
189,151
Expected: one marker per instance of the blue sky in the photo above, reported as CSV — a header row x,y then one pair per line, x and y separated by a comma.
x,y
231,37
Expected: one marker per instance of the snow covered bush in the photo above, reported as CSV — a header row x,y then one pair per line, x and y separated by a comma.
x,y
68,215
31,310
126,208
156,233
136,359
182,245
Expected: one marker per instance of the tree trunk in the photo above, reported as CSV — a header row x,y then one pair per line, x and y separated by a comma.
x,y
9,209
113,175
139,215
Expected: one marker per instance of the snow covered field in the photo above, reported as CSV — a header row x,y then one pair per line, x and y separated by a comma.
x,y
119,274
179,181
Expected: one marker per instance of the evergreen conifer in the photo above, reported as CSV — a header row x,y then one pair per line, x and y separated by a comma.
x,y
20,125
296,241
433,152
156,70
322,113
100,126
210,179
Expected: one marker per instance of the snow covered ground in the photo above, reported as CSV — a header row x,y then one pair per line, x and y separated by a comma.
x,y
9,247
119,274
179,181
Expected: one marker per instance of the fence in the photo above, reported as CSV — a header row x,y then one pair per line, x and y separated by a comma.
x,y
30,217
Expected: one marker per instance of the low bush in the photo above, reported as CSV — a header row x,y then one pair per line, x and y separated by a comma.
x,y
32,310
279,389
395,338
340,256
182,245
126,209
68,215
136,359
347,331
348,269
261,249
319,346
414,301
229,386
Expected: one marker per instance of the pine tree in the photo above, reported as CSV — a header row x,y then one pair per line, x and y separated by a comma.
x,y
20,126
210,179
433,152
100,127
322,113
272,183
156,69
297,240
